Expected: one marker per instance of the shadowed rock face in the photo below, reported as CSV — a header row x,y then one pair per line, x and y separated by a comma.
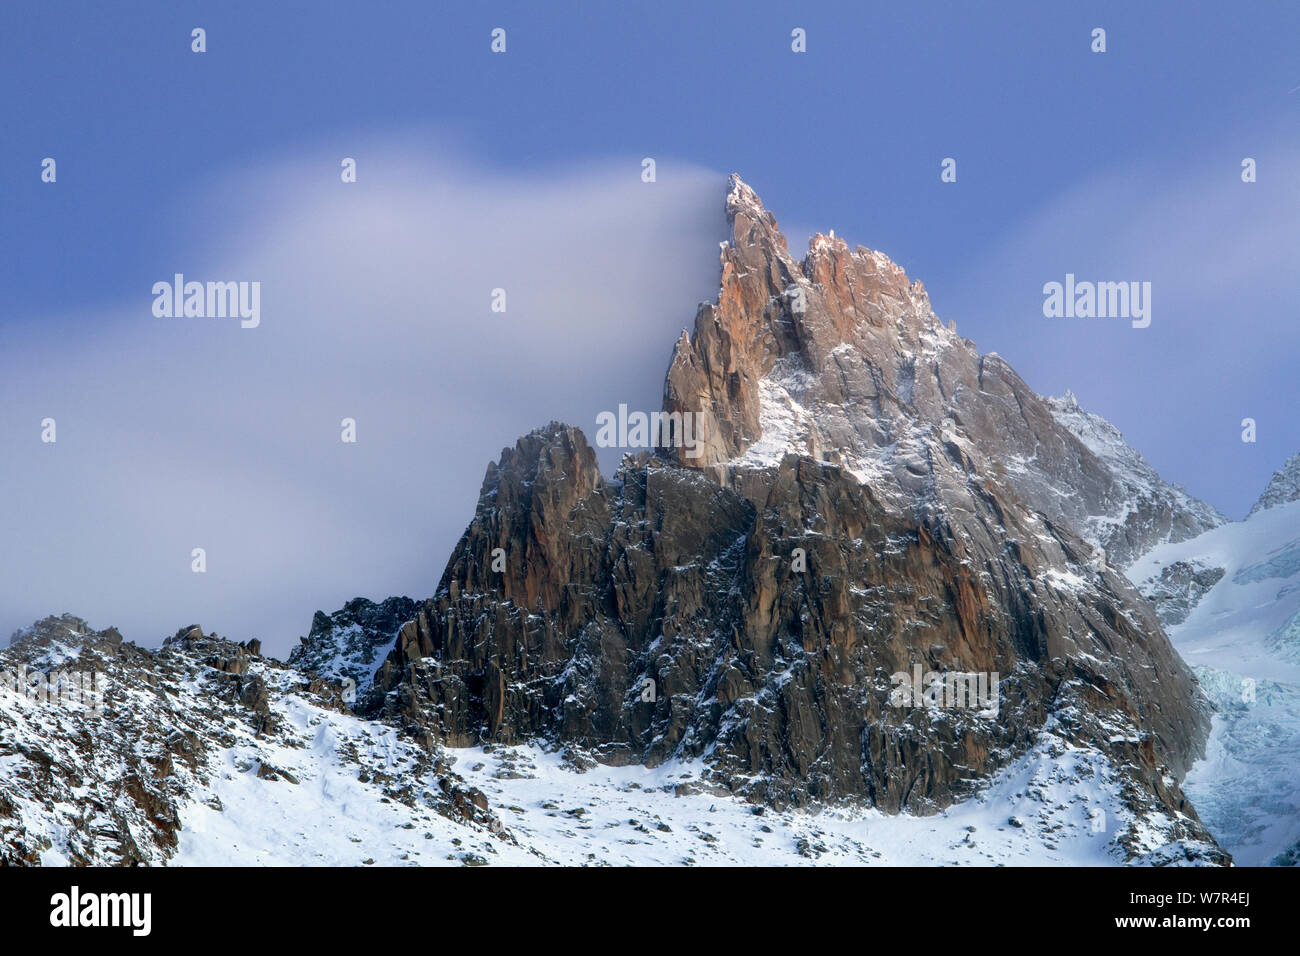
x,y
860,510
782,676
353,641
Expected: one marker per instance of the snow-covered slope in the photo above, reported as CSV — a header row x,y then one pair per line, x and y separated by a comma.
x,y
1059,804
1242,636
206,753
346,792
1249,622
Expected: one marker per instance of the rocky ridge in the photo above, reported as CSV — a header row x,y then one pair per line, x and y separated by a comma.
x,y
110,779
351,644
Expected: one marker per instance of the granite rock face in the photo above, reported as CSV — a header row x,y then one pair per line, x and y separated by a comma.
x,y
871,498
680,627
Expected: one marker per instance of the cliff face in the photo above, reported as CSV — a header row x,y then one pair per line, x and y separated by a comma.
x,y
873,498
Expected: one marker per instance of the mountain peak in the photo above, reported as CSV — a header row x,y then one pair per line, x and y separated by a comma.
x,y
1283,487
740,193
751,224
840,357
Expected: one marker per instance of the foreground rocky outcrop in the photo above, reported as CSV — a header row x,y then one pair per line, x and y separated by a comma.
x,y
107,747
873,498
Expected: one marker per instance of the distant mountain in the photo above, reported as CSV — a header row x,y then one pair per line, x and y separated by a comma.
x,y
1283,487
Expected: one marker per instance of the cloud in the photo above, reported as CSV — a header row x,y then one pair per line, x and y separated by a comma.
x,y
182,433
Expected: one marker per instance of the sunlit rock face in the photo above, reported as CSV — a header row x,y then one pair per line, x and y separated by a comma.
x,y
839,357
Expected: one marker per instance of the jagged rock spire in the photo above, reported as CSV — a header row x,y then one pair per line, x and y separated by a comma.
x,y
840,357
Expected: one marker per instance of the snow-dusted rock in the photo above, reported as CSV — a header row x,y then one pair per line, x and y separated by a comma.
x,y
1283,487
204,751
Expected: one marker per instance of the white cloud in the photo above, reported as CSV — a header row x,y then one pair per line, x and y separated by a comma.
x,y
183,433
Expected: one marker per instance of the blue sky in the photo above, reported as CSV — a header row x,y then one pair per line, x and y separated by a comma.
x,y
1115,166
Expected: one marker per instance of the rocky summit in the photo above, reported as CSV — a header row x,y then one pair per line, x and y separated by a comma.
x,y
884,579
875,498
840,358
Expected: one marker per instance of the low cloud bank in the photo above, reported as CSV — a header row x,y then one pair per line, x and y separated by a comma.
x,y
375,305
